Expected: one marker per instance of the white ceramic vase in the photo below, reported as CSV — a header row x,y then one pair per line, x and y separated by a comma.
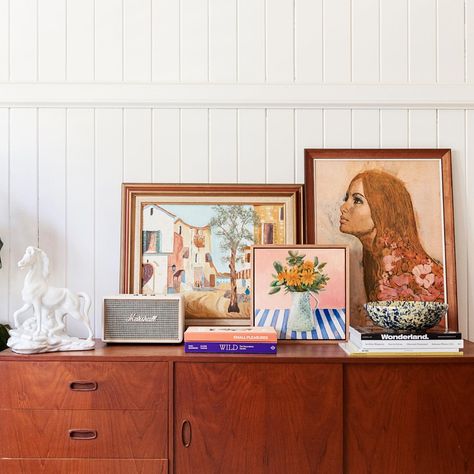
x,y
301,315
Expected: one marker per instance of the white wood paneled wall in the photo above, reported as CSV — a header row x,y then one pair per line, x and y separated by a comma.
x,y
237,41
97,92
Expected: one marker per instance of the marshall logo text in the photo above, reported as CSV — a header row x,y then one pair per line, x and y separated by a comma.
x,y
135,318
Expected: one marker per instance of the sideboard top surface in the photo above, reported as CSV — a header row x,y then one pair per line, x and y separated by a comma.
x,y
287,352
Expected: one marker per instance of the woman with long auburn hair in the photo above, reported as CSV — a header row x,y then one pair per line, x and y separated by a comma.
x,y
378,210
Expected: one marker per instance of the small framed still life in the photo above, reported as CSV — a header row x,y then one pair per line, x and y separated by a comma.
x,y
394,208
195,240
302,291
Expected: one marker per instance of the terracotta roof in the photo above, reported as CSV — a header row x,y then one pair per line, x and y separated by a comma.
x,y
205,227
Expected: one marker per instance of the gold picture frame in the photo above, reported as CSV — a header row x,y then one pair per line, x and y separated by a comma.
x,y
174,240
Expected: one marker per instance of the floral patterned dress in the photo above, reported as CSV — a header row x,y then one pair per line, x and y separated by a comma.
x,y
405,272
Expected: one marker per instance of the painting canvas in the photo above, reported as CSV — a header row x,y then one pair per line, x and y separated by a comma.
x,y
394,210
195,240
302,291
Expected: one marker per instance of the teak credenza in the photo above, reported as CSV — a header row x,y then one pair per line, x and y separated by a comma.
x,y
154,409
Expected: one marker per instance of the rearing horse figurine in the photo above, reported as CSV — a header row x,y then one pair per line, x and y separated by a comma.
x,y
49,303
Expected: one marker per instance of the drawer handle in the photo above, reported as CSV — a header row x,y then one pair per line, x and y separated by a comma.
x,y
186,433
82,434
83,386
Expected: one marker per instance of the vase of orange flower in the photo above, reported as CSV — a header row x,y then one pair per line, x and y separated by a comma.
x,y
301,278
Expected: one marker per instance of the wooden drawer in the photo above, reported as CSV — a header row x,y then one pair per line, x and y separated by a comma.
x,y
141,434
84,385
83,466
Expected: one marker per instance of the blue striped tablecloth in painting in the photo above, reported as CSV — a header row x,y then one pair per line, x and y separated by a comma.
x,y
329,323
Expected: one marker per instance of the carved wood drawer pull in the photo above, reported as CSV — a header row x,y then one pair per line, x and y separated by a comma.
x,y
186,433
83,386
82,434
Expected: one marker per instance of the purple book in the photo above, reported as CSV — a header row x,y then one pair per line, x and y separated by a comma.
x,y
232,347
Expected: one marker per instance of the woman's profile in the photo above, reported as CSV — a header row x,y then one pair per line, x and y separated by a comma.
x,y
378,210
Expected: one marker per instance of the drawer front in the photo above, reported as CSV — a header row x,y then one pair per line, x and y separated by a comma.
x,y
84,385
141,434
83,466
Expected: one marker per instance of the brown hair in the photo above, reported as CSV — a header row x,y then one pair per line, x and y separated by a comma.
x,y
390,205
392,211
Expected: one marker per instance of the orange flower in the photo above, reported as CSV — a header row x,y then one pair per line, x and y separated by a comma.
x,y
293,278
282,276
307,277
308,265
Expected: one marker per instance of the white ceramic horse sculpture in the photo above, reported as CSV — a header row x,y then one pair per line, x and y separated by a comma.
x,y
45,331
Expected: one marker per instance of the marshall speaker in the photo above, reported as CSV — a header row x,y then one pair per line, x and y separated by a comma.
x,y
140,318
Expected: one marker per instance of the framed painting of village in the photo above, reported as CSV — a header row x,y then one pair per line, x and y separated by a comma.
x,y
302,291
195,239
394,208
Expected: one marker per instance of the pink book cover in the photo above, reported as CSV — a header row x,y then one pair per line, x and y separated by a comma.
x,y
230,334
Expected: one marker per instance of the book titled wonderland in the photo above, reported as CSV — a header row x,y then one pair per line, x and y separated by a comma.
x,y
231,347
380,334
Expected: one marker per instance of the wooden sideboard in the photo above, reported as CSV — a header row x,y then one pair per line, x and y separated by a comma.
x,y
310,408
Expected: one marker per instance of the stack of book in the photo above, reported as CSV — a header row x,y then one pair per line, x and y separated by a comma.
x,y
377,341
233,339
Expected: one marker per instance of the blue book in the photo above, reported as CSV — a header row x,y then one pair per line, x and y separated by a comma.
x,y
232,347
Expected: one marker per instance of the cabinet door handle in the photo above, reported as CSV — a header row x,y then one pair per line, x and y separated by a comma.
x,y
83,385
186,433
82,434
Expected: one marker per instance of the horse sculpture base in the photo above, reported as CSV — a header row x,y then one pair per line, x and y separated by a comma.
x,y
23,341
46,330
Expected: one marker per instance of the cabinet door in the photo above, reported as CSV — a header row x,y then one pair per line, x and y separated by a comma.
x,y
258,417
409,418
83,466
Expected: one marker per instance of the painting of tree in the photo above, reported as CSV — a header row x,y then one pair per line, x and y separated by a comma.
x,y
234,224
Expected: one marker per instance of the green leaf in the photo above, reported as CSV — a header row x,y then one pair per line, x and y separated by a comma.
x,y
274,290
322,265
278,266
316,261
4,335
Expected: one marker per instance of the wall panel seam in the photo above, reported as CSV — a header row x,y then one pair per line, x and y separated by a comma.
x,y
9,215
37,181
466,183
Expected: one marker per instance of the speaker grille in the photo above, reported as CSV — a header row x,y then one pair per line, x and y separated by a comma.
x,y
141,319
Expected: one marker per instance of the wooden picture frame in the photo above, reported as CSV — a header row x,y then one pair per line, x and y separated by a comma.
x,y
302,291
174,240
398,253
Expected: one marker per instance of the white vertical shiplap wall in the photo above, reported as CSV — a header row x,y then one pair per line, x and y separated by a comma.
x,y
23,195
108,176
243,41
223,146
61,166
4,211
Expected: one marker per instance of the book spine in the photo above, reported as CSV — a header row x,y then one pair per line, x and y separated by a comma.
x,y
231,347
352,350
401,354
413,350
454,344
233,337
407,337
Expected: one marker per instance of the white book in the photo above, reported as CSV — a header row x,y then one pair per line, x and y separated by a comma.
x,y
374,338
351,349
428,344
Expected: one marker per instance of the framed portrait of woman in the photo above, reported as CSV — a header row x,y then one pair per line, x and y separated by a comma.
x,y
394,209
